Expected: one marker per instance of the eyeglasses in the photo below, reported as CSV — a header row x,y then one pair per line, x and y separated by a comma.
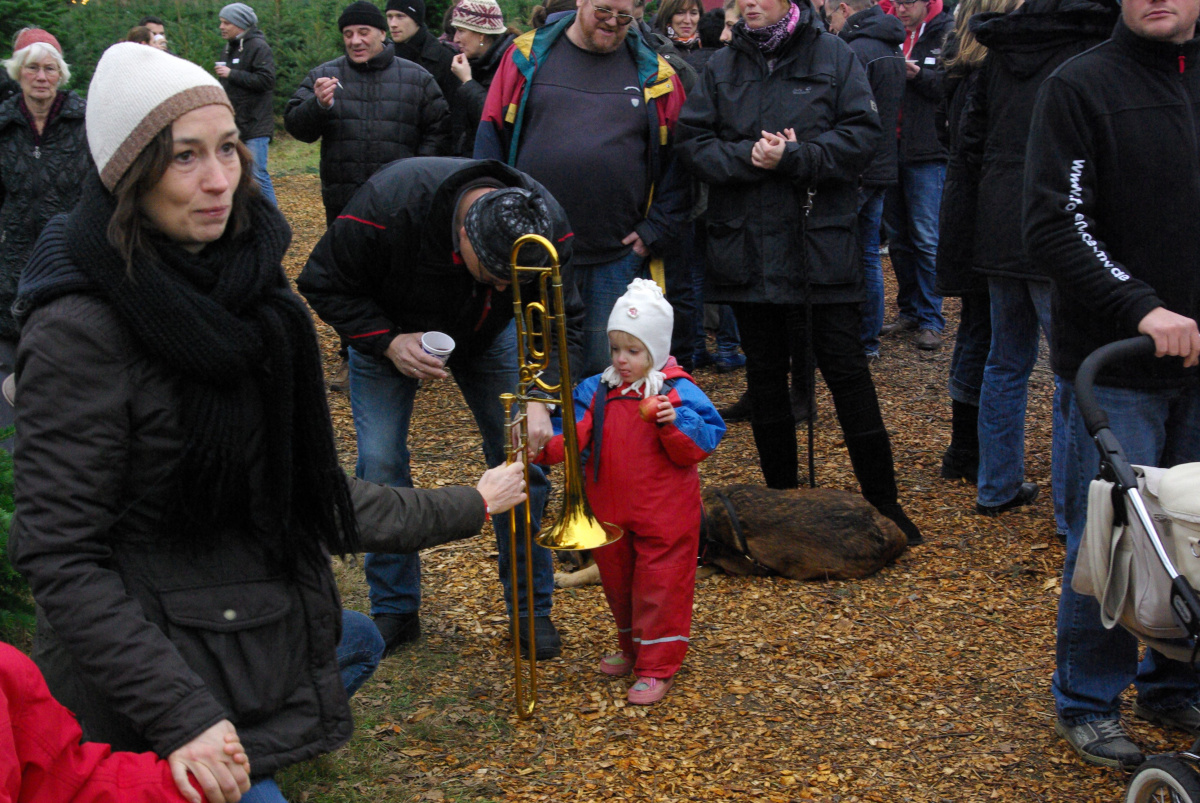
x,y
50,70
603,14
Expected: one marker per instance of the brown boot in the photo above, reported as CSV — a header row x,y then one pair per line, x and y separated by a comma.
x,y
341,377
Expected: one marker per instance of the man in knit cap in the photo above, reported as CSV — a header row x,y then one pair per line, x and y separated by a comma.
x,y
424,246
368,107
247,71
413,41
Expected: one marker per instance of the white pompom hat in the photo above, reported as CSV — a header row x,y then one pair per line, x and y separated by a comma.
x,y
136,92
645,314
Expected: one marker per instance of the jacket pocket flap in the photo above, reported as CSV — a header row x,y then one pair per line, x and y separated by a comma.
x,y
724,226
831,222
228,608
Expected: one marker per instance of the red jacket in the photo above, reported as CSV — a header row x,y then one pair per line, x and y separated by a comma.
x,y
42,760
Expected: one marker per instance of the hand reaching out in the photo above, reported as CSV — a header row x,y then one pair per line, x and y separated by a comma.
x,y
503,487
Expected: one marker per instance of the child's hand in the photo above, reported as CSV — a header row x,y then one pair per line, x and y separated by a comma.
x,y
657,409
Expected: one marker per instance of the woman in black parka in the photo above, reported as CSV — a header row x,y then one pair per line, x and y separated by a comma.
x,y
177,488
43,152
780,126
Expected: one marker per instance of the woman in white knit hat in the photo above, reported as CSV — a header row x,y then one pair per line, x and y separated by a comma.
x,y
482,37
178,486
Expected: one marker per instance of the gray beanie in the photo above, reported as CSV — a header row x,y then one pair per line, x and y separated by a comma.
x,y
240,15
496,220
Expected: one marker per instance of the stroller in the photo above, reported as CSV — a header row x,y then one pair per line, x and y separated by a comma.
x,y
1139,585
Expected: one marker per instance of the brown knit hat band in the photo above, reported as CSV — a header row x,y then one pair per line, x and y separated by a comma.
x,y
159,118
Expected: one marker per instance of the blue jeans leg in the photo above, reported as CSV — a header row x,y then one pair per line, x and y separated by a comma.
x,y
971,346
1058,451
600,286
481,382
728,337
258,149
911,217
359,651
1095,665
264,791
870,212
1019,307
381,399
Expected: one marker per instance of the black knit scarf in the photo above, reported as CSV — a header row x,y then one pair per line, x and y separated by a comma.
x,y
230,325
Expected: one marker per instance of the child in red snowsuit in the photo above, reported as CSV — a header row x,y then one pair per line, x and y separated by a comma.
x,y
42,759
640,474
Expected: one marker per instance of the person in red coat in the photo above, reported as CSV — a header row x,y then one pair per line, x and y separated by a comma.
x,y
640,475
42,759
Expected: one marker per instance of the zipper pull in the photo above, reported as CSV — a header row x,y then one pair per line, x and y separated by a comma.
x,y
1182,63
37,152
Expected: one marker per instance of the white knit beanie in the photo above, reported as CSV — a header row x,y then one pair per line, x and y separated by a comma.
x,y
645,314
136,92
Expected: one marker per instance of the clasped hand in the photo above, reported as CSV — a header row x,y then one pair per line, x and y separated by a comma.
x,y
217,761
768,151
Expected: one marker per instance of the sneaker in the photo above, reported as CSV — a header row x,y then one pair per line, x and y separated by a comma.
x,y
960,465
649,690
617,665
1101,742
1026,494
549,645
897,326
928,340
738,411
398,629
872,356
1185,719
341,377
729,362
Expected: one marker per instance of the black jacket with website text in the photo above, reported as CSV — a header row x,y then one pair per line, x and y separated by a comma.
x,y
1111,189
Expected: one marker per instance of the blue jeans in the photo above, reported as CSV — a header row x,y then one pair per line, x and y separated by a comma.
x,y
1094,665
258,149
728,339
1019,308
971,346
359,651
381,399
263,791
910,215
870,211
600,286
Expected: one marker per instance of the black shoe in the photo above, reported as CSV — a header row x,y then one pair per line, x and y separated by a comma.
x,y
897,326
738,411
1102,742
1186,719
801,411
398,629
549,645
897,514
1025,496
958,465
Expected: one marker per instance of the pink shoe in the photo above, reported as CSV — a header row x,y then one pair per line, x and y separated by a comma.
x,y
617,665
649,690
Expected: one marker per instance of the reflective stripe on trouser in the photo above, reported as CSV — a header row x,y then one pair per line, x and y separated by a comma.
x,y
649,581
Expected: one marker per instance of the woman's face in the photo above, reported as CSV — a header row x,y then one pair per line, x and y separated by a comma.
x,y
472,43
761,13
39,78
191,203
685,22
732,15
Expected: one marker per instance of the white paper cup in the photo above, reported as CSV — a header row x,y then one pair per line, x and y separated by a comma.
x,y
439,344
220,64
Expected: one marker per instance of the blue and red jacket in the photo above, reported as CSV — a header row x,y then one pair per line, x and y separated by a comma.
x,y
647,477
668,196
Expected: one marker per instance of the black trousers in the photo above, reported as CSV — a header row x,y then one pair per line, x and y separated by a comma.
x,y
772,336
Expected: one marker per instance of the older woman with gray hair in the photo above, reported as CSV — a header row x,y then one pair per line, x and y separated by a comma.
x,y
43,155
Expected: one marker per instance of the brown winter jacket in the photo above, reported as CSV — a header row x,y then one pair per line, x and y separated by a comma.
x,y
147,645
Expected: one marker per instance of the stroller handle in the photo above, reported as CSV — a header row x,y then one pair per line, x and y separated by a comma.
x,y
1085,378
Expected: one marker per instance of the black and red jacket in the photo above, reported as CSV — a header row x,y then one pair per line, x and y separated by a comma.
x,y
388,265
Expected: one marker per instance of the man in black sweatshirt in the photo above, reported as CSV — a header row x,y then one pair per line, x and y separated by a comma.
x,y
1112,182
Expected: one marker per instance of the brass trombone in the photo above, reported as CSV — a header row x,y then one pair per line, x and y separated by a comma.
x,y
576,526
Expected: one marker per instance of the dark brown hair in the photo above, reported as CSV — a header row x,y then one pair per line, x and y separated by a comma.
x,y
670,8
537,17
128,227
140,34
